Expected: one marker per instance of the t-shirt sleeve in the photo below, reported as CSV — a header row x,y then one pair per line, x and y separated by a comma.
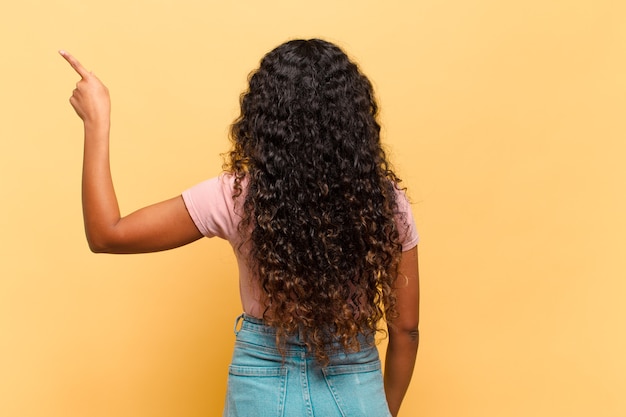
x,y
211,207
405,222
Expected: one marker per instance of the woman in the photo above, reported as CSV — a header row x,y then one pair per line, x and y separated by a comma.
x,y
324,238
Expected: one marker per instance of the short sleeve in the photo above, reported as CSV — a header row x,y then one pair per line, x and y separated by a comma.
x,y
405,222
211,207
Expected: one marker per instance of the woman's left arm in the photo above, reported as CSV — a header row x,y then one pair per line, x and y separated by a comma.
x,y
403,333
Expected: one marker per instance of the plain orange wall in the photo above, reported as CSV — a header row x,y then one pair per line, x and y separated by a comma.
x,y
505,119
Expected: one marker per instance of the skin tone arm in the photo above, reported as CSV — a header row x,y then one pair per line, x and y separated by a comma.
x,y
403,333
161,226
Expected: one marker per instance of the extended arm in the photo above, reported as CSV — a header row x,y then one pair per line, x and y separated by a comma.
x,y
161,226
403,333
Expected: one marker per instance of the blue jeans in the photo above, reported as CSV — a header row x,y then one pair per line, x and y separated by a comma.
x,y
261,383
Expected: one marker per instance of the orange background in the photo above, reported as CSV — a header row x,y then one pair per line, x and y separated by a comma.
x,y
505,119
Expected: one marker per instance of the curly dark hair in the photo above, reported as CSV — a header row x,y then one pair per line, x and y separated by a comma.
x,y
320,202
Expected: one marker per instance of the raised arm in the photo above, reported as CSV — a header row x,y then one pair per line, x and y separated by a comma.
x,y
403,333
161,226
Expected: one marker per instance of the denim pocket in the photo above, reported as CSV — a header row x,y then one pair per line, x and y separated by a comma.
x,y
255,391
358,389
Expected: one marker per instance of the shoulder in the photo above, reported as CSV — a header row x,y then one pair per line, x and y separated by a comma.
x,y
223,184
405,221
212,206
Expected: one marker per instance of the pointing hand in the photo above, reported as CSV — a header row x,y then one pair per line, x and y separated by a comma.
x,y
90,98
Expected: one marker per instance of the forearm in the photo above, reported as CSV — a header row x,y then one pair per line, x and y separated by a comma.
x,y
399,365
100,208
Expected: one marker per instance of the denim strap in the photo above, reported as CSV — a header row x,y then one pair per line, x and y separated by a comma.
x,y
236,328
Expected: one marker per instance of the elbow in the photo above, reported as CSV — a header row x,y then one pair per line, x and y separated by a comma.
x,y
96,246
104,237
411,332
99,243
414,335
406,321
405,338
406,329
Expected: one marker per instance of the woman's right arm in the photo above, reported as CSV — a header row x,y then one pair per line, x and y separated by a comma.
x,y
403,333
161,226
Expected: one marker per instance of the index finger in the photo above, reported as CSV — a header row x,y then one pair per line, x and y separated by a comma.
x,y
75,64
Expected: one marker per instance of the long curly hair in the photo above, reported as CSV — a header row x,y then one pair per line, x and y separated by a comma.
x,y
320,197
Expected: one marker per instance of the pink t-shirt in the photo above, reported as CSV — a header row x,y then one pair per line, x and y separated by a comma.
x,y
213,210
